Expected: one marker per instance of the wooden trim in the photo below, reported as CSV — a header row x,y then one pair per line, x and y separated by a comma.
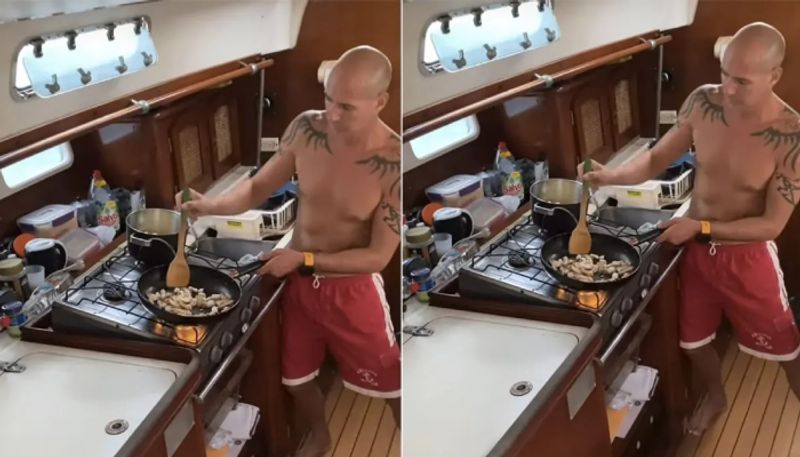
x,y
99,121
421,128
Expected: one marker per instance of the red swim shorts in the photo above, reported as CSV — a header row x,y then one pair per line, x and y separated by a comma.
x,y
349,316
746,282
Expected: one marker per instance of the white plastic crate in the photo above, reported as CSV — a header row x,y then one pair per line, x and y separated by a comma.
x,y
677,188
654,193
277,221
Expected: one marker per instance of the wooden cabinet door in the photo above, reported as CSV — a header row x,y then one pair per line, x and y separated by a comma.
x,y
191,151
223,123
624,107
590,112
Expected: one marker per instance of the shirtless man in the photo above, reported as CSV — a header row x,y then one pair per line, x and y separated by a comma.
x,y
747,184
347,230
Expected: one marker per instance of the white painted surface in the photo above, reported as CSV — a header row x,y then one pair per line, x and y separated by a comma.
x,y
190,36
585,24
456,382
60,405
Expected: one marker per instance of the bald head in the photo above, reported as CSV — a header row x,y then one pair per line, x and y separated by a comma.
x,y
366,67
758,43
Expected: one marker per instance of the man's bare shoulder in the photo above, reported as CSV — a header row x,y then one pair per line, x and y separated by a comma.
x,y
308,131
703,104
384,162
783,137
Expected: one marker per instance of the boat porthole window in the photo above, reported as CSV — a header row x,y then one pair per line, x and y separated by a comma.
x,y
35,168
462,39
440,141
54,64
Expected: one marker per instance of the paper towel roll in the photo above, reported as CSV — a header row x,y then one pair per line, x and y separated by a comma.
x,y
324,69
720,45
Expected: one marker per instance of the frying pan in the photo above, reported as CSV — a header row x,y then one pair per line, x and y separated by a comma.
x,y
611,247
210,280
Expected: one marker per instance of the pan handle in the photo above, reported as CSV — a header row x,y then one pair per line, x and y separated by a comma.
x,y
545,211
251,267
648,236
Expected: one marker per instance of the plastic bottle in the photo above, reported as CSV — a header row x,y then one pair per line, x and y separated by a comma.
x,y
100,193
504,161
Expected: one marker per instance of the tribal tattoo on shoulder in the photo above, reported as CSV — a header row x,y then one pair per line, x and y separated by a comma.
x,y
711,111
384,166
391,217
788,188
317,138
788,140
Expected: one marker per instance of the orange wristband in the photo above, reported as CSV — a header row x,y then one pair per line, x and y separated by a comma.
x,y
705,227
308,259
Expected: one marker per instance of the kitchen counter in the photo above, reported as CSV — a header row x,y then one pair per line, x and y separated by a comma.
x,y
454,380
62,402
461,376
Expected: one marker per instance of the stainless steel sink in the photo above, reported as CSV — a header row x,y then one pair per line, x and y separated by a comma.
x,y
633,217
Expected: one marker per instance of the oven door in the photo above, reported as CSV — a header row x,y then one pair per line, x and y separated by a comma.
x,y
621,356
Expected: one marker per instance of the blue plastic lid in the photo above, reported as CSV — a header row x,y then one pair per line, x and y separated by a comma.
x,y
12,308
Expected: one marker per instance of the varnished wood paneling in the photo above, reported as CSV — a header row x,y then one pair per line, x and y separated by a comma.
x,y
329,28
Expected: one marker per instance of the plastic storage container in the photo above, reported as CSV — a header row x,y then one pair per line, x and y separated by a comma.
x,y
80,243
50,221
458,190
248,225
486,212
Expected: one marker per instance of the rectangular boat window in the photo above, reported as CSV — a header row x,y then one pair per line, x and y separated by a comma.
x,y
463,39
35,168
440,141
55,64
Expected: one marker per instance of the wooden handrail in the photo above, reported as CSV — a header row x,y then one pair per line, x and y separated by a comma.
x,y
541,81
142,106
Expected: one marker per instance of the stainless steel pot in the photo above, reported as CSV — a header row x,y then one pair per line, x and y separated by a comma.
x,y
153,235
556,204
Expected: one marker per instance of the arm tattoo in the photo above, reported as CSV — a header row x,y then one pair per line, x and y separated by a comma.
x,y
777,139
787,188
392,219
290,134
381,165
317,137
710,109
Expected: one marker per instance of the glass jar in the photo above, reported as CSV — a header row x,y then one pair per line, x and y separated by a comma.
x,y
422,279
12,276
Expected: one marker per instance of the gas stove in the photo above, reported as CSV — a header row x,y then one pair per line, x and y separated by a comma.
x,y
105,303
511,269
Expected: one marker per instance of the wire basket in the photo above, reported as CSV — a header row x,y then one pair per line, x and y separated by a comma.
x,y
279,220
674,190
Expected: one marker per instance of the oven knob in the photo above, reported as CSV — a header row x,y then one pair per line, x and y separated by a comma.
x,y
227,339
627,304
254,302
616,318
645,280
644,293
654,269
216,354
245,326
246,315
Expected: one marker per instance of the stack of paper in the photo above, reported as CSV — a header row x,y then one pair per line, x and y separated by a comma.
x,y
624,408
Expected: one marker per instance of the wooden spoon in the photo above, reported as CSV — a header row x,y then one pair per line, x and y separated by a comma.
x,y
580,242
178,271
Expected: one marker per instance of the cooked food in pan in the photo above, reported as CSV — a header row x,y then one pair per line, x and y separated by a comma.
x,y
190,301
592,268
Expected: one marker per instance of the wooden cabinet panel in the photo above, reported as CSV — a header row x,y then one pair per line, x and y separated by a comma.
x,y
189,141
624,106
225,152
590,110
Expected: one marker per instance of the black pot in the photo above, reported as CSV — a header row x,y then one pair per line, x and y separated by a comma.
x,y
153,235
555,204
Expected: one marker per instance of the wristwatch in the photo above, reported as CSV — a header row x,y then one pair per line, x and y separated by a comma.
x,y
705,232
307,269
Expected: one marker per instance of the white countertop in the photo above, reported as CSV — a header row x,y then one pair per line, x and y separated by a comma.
x,y
62,402
457,382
